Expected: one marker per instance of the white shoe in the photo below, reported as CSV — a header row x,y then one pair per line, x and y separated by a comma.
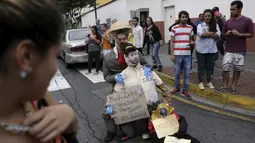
x,y
145,136
210,85
87,73
96,73
201,86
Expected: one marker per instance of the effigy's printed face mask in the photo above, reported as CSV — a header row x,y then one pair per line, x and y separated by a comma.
x,y
133,59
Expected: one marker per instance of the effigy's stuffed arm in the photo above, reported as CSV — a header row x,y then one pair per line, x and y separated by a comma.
x,y
165,93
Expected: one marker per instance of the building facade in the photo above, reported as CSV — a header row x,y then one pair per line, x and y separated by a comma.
x,y
163,12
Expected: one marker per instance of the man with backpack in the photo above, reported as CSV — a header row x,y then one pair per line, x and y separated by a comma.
x,y
220,20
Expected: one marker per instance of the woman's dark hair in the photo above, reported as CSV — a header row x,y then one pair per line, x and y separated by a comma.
x,y
189,21
152,23
212,23
98,35
37,20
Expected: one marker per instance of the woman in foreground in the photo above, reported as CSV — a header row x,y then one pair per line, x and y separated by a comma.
x,y
30,34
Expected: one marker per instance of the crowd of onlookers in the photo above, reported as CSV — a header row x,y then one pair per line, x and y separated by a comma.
x,y
209,36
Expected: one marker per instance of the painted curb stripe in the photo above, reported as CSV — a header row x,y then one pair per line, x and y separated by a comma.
x,y
227,99
212,109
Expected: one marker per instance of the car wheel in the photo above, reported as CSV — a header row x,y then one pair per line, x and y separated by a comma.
x,y
67,65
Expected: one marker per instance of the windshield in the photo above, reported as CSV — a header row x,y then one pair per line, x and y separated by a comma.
x,y
78,35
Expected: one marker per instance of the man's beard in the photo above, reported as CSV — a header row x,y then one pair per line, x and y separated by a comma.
x,y
133,64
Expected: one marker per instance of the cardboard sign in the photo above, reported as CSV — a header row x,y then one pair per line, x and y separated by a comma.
x,y
128,105
166,126
170,139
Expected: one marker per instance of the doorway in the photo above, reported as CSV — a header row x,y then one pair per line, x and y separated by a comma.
x,y
169,20
142,14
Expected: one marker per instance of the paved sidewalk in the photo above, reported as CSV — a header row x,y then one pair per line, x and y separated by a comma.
x,y
246,85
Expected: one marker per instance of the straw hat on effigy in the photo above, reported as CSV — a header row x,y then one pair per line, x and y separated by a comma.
x,y
120,27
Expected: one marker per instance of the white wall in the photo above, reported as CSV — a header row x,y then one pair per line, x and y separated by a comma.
x,y
156,10
120,9
115,10
195,7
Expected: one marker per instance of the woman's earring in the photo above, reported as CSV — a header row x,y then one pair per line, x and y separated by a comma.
x,y
24,74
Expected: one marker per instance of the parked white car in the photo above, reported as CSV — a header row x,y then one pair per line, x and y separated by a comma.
x,y
74,47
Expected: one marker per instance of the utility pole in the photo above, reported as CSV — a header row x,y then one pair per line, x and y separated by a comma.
x,y
95,7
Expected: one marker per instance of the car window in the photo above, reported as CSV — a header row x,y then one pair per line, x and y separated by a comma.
x,y
78,35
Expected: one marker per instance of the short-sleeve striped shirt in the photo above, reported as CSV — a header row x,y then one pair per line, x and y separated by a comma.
x,y
182,36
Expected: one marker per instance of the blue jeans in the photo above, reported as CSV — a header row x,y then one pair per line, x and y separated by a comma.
x,y
186,60
154,54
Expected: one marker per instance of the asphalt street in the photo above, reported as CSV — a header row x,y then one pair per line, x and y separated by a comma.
x,y
88,98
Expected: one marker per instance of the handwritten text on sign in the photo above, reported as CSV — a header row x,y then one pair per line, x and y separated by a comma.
x,y
128,105
166,126
170,139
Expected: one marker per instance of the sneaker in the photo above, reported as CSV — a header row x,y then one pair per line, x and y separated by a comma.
x,y
233,91
222,89
109,136
96,73
210,85
201,86
87,73
175,91
122,139
145,136
154,67
186,95
160,68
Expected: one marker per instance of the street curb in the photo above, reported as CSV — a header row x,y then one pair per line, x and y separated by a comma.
x,y
238,101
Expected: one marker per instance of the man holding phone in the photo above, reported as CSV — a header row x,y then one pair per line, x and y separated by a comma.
x,y
236,30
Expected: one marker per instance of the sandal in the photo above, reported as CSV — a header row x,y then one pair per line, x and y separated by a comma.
x,y
222,89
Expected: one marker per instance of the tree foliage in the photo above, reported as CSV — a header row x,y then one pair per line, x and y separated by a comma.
x,y
72,10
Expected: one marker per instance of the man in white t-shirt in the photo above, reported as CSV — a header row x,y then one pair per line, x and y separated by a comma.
x,y
138,35
181,39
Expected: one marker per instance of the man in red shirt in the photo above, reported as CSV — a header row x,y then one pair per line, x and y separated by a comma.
x,y
236,29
